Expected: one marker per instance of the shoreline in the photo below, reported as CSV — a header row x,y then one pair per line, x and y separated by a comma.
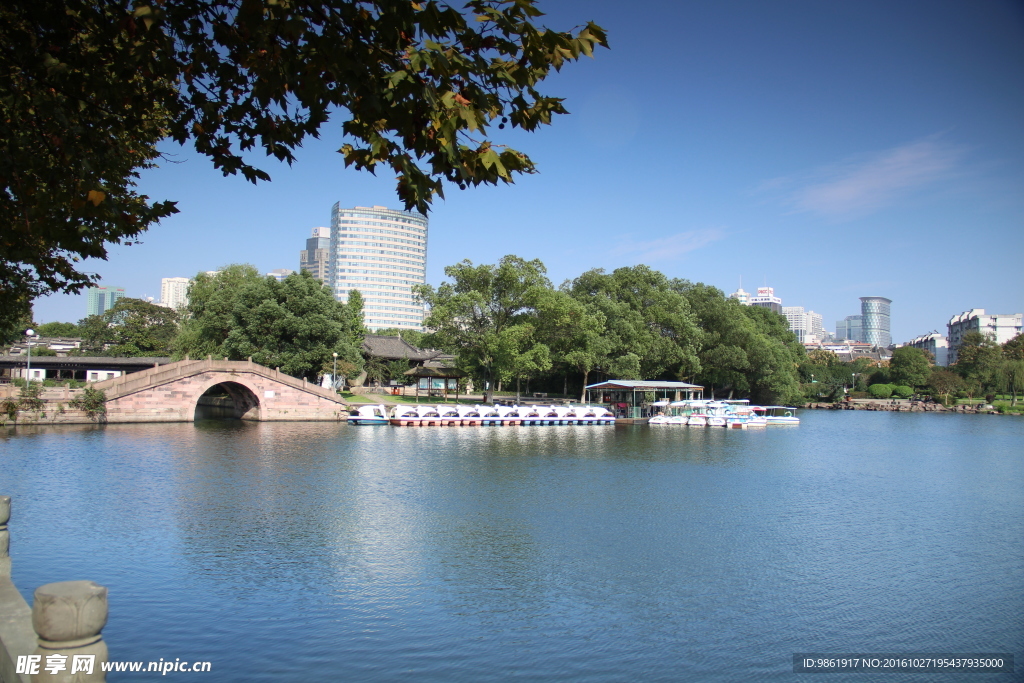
x,y
904,406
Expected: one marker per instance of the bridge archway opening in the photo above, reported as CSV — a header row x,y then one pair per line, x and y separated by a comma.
x,y
229,401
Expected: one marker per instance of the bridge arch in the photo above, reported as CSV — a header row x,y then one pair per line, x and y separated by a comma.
x,y
244,398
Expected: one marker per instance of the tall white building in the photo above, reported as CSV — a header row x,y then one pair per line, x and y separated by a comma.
x,y
999,327
174,292
742,296
382,253
806,325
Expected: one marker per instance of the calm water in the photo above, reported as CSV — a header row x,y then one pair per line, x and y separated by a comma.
x,y
322,552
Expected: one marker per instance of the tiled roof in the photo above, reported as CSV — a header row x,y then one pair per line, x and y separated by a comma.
x,y
394,348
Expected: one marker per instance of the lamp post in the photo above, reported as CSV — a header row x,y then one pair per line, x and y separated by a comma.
x,y
334,373
28,363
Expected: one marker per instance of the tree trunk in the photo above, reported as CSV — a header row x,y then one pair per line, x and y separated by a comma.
x,y
565,384
517,389
583,391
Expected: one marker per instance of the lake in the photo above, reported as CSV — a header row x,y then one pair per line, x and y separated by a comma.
x,y
323,552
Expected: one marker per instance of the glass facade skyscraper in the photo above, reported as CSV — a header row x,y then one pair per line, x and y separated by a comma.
x,y
99,300
382,253
874,311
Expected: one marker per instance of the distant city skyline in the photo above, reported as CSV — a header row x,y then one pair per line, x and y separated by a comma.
x,y
833,150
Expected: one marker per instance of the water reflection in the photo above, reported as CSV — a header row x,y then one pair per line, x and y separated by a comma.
x,y
551,553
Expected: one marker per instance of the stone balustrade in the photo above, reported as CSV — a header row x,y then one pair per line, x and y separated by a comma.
x,y
59,639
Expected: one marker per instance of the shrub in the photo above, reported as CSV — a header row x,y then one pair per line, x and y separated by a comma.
x,y
903,392
880,390
30,396
92,401
989,398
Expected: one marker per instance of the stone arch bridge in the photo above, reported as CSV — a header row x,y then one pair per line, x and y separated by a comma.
x,y
170,393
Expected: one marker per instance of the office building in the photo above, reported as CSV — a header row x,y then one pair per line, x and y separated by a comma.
x,y
934,343
765,298
315,259
99,300
806,325
850,328
174,292
382,253
999,327
874,311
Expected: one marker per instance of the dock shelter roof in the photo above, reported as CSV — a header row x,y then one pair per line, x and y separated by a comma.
x,y
433,371
642,384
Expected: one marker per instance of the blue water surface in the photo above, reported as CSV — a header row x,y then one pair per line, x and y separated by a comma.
x,y
327,552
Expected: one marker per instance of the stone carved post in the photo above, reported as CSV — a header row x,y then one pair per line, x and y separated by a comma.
x,y
5,536
68,617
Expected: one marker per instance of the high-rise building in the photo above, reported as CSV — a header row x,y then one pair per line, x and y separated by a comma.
x,y
315,259
765,298
174,292
382,253
742,296
874,311
806,325
99,300
815,326
850,328
999,327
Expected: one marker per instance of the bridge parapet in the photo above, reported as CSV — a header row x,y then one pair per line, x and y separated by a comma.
x,y
155,376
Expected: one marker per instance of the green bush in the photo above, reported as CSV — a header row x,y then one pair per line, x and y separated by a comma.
x,y
92,401
903,392
880,390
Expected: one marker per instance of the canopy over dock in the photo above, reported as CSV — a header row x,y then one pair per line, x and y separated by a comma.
x,y
437,380
633,397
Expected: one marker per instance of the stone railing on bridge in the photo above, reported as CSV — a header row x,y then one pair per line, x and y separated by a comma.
x,y
161,374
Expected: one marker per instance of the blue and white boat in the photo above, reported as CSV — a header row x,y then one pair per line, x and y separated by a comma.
x,y
778,415
369,415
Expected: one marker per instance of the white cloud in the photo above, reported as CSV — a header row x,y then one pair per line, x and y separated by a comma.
x,y
864,185
670,246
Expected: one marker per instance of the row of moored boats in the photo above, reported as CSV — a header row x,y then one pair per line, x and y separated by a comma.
x,y
734,414
730,414
481,415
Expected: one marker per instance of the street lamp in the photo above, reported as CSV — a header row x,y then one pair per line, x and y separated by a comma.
x,y
28,363
334,373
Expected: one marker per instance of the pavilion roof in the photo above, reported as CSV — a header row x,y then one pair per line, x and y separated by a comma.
x,y
633,384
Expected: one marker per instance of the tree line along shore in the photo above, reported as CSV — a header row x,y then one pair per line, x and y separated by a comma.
x,y
508,327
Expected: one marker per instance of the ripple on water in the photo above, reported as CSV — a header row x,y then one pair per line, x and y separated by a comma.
x,y
313,551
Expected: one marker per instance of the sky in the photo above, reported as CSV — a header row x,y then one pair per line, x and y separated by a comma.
x,y
831,150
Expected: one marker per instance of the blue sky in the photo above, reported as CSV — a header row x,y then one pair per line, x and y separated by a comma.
x,y
832,150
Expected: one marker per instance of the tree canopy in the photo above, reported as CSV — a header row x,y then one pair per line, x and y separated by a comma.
x,y
488,315
909,366
506,321
89,87
294,324
131,328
